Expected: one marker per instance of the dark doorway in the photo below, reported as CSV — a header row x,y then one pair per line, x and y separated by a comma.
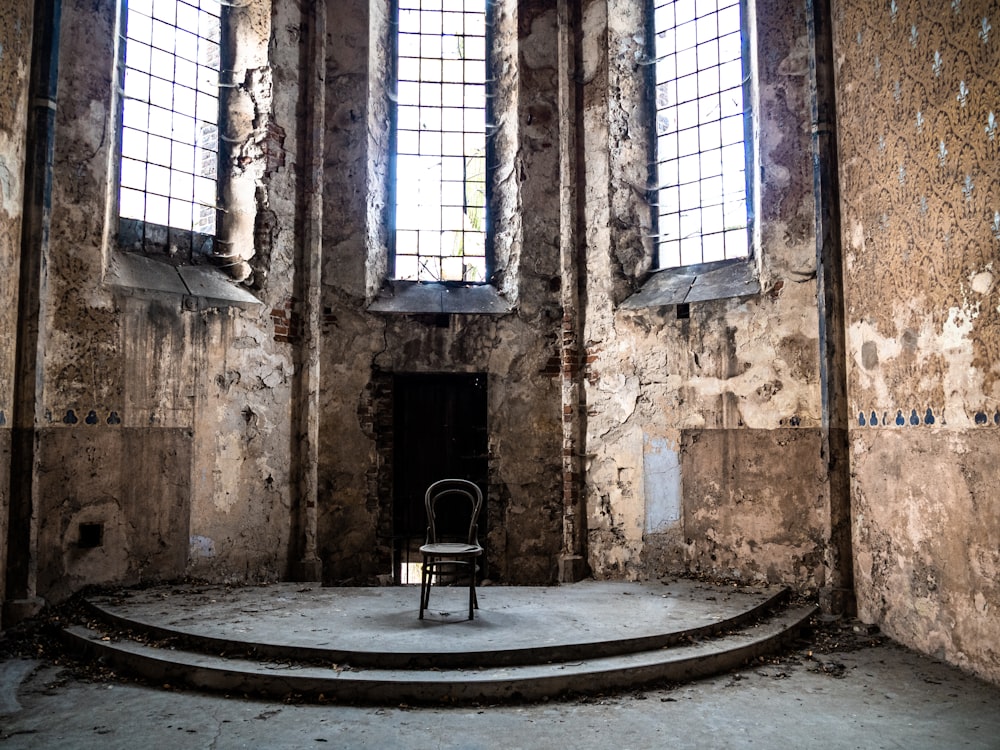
x,y
439,431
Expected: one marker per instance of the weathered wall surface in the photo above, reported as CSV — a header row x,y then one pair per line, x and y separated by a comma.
x,y
15,60
918,99
244,464
5,446
514,350
703,433
163,419
926,535
230,382
207,401
126,481
748,515
15,63
185,430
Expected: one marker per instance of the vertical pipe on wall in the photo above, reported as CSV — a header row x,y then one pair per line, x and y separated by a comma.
x,y
306,563
29,342
572,560
837,596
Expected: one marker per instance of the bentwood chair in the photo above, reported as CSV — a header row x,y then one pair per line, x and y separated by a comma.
x,y
452,547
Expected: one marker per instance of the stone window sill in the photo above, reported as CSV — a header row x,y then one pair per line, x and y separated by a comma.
x,y
198,287
422,297
724,279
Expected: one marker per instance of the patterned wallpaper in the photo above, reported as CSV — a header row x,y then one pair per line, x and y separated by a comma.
x,y
918,86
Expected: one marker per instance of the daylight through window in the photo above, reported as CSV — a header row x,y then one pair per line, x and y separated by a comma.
x,y
701,131
170,114
440,166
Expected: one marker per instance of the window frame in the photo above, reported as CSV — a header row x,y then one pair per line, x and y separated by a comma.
x,y
490,158
178,246
749,143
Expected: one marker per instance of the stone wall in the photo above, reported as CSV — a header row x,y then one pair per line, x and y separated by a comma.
x,y
269,409
230,441
514,350
15,64
163,417
919,94
240,438
704,449
125,486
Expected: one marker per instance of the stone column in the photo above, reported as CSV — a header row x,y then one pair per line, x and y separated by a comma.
x,y
572,560
21,548
308,566
837,596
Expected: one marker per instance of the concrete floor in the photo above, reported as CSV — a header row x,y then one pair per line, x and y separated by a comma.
x,y
876,696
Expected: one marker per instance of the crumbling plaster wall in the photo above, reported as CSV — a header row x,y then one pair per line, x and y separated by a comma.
x,y
918,100
15,62
704,450
245,468
164,419
515,350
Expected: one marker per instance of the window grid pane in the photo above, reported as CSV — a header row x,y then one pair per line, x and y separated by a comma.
x,y
170,114
440,217
700,132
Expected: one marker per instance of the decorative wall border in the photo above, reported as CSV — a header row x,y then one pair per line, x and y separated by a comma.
x,y
914,419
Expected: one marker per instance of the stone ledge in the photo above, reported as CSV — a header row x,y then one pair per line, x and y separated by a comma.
x,y
415,297
700,283
199,287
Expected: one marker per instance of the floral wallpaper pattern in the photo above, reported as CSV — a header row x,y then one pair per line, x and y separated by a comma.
x,y
918,87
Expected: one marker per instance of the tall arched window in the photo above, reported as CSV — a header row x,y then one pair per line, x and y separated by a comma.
x,y
440,224
703,131
169,127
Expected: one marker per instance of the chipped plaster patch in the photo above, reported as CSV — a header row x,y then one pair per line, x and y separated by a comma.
x,y
621,393
536,50
202,546
982,605
949,346
982,282
857,236
595,23
661,483
10,186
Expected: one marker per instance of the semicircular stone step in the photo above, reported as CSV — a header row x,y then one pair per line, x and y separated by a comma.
x,y
374,628
525,682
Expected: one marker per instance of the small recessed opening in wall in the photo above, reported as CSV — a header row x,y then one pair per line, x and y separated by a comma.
x,y
683,311
91,535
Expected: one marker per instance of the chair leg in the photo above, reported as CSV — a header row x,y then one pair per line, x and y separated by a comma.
x,y
424,593
473,602
475,596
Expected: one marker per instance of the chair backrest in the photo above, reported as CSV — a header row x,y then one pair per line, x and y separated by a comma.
x,y
449,502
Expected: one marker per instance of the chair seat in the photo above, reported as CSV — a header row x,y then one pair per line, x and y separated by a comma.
x,y
451,548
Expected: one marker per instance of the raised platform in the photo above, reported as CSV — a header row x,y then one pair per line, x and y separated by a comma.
x,y
366,644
